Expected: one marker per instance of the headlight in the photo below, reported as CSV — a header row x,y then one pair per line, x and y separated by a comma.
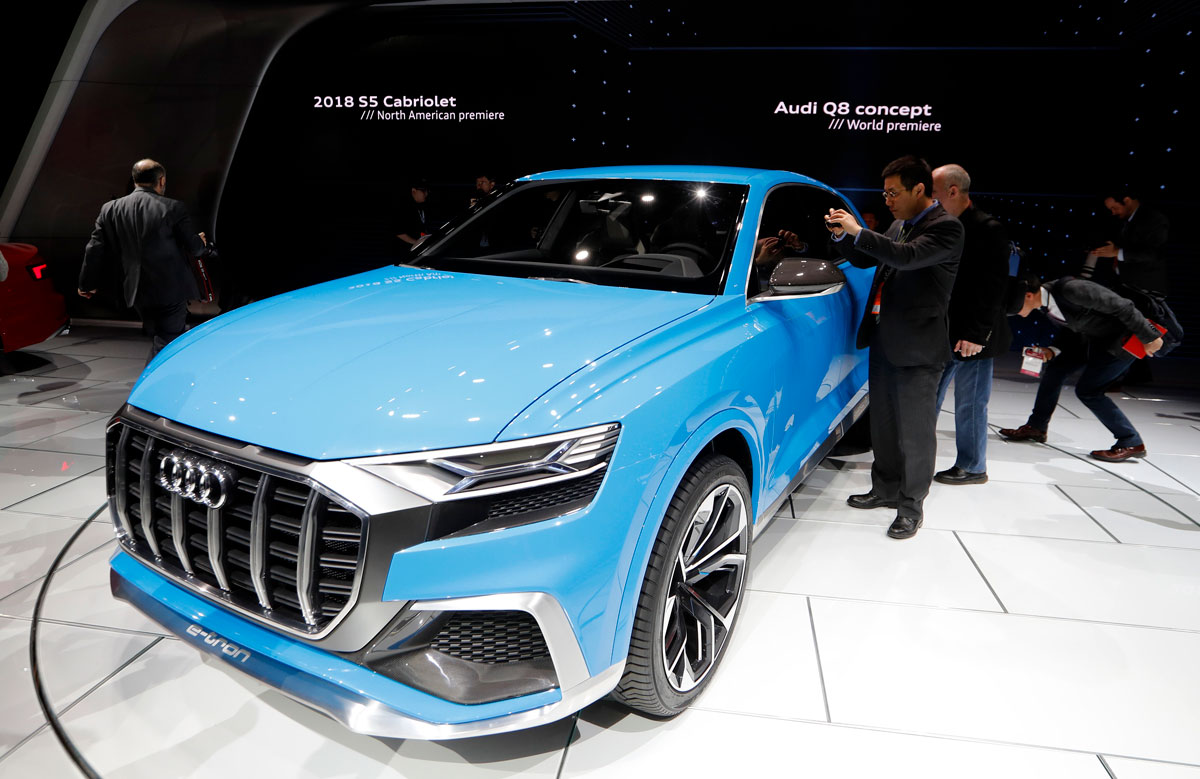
x,y
489,469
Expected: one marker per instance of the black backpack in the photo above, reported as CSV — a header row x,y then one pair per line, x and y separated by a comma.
x,y
1154,307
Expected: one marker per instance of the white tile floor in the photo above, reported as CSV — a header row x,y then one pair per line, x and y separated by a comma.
x,y
1046,624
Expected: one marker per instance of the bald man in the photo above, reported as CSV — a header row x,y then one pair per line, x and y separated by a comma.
x,y
978,324
152,237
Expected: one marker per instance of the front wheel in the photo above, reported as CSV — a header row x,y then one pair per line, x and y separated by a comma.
x,y
692,591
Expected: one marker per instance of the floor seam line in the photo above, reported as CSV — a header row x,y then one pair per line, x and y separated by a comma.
x,y
812,623
89,626
25,740
562,762
1089,514
940,736
1135,485
107,678
1171,476
982,575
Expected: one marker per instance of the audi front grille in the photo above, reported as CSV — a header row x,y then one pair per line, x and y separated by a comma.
x,y
269,545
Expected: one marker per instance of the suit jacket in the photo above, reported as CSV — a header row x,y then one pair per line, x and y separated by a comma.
x,y
1099,314
917,276
977,303
153,237
1143,241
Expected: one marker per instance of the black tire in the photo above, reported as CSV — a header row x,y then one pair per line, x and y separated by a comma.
x,y
660,677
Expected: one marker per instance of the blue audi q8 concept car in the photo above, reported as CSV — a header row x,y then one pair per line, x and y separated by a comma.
x,y
479,490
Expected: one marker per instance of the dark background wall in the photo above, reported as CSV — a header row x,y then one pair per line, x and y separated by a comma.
x,y
1046,104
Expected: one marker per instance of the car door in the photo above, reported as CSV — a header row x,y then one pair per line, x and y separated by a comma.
x,y
818,371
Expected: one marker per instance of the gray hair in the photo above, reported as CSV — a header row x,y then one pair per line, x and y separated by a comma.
x,y
956,176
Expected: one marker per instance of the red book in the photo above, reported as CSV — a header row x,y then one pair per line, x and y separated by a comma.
x,y
1134,344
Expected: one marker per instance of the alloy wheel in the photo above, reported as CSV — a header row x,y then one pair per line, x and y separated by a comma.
x,y
706,587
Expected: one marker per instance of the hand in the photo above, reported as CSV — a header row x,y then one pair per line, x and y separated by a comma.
x,y
1153,346
968,349
768,250
92,293
1044,352
847,221
203,239
773,248
1109,249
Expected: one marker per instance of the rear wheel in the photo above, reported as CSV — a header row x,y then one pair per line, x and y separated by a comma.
x,y
692,591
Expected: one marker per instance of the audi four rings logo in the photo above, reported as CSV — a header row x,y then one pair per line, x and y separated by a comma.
x,y
194,478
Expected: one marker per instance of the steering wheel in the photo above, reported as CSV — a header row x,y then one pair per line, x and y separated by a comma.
x,y
698,251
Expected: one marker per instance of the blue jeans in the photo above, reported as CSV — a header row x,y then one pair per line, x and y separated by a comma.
x,y
972,391
1099,370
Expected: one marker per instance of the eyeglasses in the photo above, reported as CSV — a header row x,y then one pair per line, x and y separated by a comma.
x,y
891,194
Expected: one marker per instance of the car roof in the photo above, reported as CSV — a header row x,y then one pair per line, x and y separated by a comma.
x,y
710,173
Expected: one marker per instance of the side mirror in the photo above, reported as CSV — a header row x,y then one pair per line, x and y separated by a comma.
x,y
805,277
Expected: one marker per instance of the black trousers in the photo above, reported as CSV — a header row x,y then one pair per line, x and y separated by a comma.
x,y
903,430
163,323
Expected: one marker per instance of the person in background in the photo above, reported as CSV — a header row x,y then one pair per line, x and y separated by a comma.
x,y
1102,322
418,216
152,237
484,185
1137,258
978,324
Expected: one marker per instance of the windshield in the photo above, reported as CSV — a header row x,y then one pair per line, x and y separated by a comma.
x,y
668,235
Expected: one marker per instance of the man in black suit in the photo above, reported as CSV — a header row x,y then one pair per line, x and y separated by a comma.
x,y
905,324
1101,321
1137,257
152,236
978,324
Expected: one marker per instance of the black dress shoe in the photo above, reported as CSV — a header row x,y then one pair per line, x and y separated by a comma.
x,y
957,475
869,500
905,527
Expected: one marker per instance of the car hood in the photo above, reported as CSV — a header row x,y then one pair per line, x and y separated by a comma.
x,y
394,360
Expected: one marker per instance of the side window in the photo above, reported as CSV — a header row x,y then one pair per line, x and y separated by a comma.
x,y
792,227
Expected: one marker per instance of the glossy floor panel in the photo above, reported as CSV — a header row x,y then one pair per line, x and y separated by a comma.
x,y
25,473
76,660
30,542
1100,582
609,742
1137,517
76,498
904,645
859,561
80,595
1068,684
231,725
31,390
771,626
102,369
85,439
20,425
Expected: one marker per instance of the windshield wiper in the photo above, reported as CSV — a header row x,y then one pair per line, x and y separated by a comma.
x,y
561,278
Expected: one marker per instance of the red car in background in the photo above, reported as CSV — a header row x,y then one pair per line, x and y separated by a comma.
x,y
31,310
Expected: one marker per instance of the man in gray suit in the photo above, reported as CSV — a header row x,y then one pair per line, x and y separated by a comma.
x,y
152,235
906,324
1100,322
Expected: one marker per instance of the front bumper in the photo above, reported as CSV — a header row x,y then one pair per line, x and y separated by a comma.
x,y
361,699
